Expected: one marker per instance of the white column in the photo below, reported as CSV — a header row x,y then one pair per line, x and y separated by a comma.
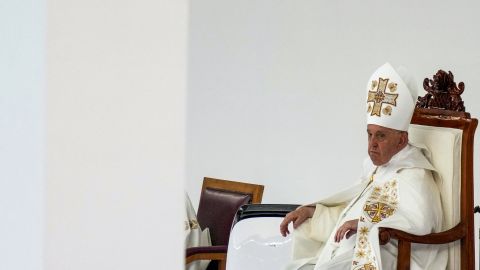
x,y
22,128
115,134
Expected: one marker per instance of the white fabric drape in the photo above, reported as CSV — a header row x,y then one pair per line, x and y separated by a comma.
x,y
194,236
403,196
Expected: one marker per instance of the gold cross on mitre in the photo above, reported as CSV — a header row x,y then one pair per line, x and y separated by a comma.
x,y
378,211
379,97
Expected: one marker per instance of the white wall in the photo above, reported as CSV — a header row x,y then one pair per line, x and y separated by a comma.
x,y
115,134
22,128
276,87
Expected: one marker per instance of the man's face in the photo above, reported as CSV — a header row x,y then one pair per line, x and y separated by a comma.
x,y
384,143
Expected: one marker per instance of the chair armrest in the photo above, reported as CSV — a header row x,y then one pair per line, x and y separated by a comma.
x,y
448,236
264,210
216,253
405,241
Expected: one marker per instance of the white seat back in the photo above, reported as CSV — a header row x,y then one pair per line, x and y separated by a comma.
x,y
445,146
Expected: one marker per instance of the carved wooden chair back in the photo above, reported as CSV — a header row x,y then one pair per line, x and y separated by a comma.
x,y
440,123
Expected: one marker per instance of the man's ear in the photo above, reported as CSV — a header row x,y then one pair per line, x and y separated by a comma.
x,y
403,140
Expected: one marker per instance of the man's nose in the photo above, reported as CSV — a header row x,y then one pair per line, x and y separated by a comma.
x,y
372,143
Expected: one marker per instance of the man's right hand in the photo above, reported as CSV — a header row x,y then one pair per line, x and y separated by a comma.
x,y
297,216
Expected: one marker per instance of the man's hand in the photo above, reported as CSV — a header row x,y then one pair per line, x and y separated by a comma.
x,y
297,216
347,229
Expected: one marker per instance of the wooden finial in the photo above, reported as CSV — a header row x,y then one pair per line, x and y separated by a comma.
x,y
442,93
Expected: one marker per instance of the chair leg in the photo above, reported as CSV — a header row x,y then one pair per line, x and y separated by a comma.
x,y
222,264
403,259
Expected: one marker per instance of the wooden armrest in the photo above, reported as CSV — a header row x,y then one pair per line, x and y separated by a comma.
x,y
451,235
405,241
215,253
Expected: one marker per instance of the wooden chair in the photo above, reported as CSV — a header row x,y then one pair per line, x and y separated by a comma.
x,y
441,123
219,202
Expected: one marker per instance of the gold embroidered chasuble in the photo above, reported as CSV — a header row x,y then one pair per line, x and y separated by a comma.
x,y
403,195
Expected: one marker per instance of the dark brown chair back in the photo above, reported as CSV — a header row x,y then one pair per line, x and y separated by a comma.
x,y
216,211
219,202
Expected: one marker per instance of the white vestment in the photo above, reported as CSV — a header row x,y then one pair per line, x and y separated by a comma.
x,y
403,196
194,236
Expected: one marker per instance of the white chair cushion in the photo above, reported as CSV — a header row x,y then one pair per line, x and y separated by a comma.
x,y
445,146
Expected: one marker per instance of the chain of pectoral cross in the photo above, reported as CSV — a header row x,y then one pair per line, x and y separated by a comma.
x,y
361,193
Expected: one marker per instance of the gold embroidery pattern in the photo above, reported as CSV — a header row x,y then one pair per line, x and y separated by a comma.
x,y
194,224
191,224
364,259
387,110
392,87
362,242
378,211
381,204
379,97
364,231
367,266
387,193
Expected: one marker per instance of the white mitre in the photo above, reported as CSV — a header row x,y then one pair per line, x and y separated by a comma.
x,y
391,96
